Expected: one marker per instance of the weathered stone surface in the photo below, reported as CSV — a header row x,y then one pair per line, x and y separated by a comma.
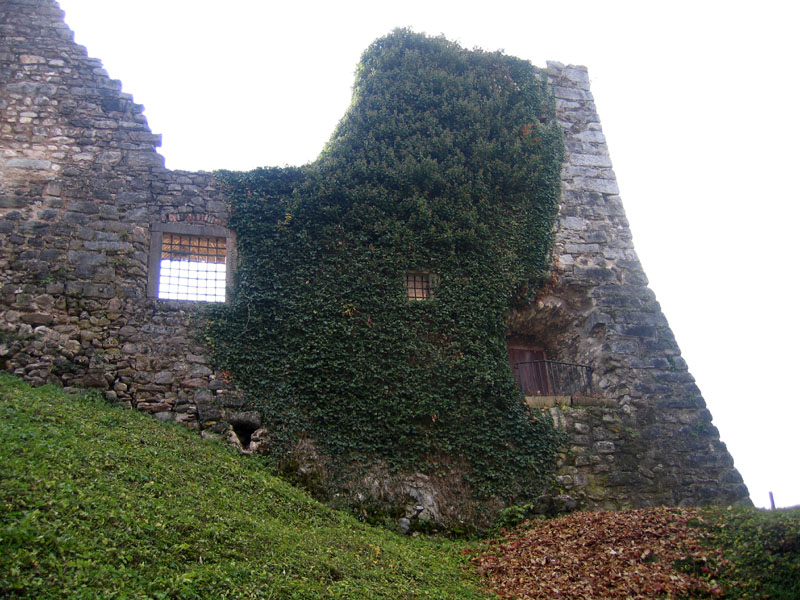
x,y
259,441
208,413
164,377
76,210
28,163
247,419
37,318
418,494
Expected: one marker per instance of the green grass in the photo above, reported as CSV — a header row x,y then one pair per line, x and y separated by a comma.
x,y
97,502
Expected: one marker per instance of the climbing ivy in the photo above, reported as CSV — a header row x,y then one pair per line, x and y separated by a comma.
x,y
448,162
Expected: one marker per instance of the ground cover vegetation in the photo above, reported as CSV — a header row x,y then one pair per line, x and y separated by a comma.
x,y
447,164
761,551
99,502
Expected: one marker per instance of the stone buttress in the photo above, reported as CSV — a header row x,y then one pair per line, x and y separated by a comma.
x,y
646,438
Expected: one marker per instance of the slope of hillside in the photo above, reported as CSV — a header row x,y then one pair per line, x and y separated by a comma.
x,y
96,502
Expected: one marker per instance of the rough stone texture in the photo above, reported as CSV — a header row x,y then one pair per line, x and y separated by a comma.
x,y
649,439
81,186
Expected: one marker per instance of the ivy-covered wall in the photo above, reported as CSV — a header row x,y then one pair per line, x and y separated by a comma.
x,y
447,162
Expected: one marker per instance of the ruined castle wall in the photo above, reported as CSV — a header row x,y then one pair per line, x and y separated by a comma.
x,y
649,439
81,186
83,191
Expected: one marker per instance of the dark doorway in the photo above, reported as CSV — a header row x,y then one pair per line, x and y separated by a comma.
x,y
528,366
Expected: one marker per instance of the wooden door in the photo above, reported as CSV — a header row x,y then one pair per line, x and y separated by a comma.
x,y
529,370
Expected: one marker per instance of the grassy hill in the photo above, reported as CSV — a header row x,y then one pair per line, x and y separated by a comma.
x,y
97,502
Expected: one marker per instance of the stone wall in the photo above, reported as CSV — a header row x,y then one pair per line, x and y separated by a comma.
x,y
81,186
83,192
650,439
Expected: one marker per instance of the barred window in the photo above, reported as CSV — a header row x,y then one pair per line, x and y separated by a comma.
x,y
192,268
419,285
189,262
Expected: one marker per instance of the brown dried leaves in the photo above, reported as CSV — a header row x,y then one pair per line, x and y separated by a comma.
x,y
644,553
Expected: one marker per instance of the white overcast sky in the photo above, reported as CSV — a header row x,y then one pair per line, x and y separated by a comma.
x,y
698,101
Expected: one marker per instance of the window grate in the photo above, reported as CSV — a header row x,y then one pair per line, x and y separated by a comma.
x,y
418,286
194,248
192,268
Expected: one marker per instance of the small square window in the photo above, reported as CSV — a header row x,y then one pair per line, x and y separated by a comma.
x,y
419,285
192,268
189,263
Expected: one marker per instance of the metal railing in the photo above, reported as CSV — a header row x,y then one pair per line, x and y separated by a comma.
x,y
553,378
